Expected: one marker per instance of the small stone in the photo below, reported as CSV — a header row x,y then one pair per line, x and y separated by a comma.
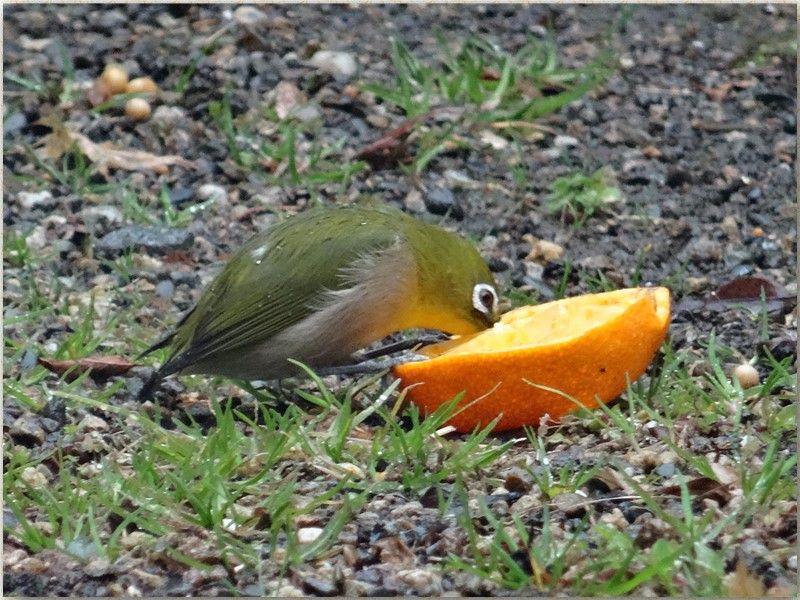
x,y
730,228
31,200
705,250
212,192
651,152
424,581
307,535
378,121
695,284
665,470
151,239
441,201
168,117
92,423
413,202
165,288
13,557
180,195
341,65
31,565
27,432
747,375
250,16
572,505
565,141
99,567
14,123
547,251
307,113
319,586
105,212
33,477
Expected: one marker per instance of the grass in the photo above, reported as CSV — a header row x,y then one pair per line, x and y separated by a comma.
x,y
491,85
288,155
577,197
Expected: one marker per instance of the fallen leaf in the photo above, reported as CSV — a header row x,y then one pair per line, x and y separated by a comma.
x,y
701,487
390,148
749,288
742,291
105,156
100,367
743,584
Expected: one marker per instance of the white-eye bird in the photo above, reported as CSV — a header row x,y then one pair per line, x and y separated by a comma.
x,y
325,283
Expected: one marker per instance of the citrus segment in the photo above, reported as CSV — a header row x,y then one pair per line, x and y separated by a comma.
x,y
586,348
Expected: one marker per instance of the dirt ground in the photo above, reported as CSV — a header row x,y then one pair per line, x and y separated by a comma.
x,y
697,127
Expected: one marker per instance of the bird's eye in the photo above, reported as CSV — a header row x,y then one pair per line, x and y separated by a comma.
x,y
484,299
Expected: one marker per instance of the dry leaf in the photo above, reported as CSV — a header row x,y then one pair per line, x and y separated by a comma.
x,y
100,367
701,487
743,584
390,148
105,156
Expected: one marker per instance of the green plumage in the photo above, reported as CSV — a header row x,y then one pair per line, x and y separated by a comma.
x,y
281,277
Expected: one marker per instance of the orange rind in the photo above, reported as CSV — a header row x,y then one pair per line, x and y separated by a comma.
x,y
545,359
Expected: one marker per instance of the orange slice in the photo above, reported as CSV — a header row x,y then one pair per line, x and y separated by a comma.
x,y
587,347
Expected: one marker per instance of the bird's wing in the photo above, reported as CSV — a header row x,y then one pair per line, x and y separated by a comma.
x,y
272,283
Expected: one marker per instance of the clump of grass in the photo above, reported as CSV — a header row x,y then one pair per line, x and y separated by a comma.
x,y
282,154
577,197
489,85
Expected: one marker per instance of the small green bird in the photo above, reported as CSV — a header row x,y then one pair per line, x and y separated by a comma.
x,y
325,283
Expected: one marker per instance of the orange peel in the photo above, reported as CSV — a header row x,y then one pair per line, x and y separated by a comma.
x,y
585,349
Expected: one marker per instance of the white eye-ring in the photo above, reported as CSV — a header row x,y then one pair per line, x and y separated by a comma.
x,y
484,299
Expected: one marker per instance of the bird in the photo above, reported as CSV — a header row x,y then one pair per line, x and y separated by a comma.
x,y
324,283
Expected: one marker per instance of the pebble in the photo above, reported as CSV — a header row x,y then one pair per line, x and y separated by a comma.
x,y
342,65
165,288
413,202
307,535
319,586
151,239
180,196
26,431
13,557
168,117
33,477
440,201
424,581
31,565
249,16
695,284
565,141
111,214
98,567
665,470
14,123
705,250
92,423
730,228
547,251
31,200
